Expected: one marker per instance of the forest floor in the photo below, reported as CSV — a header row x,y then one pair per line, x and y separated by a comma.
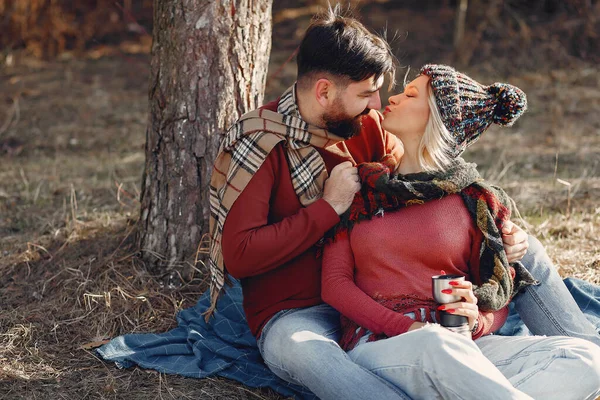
x,y
72,134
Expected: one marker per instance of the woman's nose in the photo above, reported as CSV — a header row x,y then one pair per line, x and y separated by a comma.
x,y
394,99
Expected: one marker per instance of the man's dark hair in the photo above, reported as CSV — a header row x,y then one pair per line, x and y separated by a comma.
x,y
342,47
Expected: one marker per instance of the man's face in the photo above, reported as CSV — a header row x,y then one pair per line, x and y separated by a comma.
x,y
343,117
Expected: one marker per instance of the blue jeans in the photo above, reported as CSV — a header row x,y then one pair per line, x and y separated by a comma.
x,y
434,363
549,308
300,346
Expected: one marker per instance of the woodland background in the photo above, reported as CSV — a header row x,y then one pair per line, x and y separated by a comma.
x,y
73,114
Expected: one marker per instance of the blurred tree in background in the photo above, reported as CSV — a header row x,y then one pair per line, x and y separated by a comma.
x,y
47,28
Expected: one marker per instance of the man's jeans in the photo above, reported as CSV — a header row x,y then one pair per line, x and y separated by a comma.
x,y
300,346
548,308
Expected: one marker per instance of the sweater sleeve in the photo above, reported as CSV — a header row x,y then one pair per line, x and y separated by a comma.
x,y
251,245
490,322
339,290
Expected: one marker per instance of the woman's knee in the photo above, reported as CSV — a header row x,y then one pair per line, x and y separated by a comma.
x,y
439,338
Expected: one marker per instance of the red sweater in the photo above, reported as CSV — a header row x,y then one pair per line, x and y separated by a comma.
x,y
269,237
394,257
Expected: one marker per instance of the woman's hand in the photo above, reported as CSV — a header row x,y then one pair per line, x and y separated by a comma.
x,y
467,307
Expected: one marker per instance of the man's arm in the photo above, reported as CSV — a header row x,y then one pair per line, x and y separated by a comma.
x,y
252,246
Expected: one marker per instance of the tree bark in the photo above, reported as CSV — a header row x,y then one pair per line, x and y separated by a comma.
x,y
209,66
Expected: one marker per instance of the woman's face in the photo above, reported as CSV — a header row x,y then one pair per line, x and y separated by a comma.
x,y
408,112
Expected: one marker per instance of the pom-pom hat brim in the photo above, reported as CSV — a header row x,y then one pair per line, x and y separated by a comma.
x,y
467,108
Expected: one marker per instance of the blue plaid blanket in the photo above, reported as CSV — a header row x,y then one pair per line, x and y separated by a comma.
x,y
225,347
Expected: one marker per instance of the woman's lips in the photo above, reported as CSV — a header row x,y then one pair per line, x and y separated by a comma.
x,y
387,110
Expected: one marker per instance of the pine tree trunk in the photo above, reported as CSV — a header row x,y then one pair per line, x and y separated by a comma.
x,y
209,66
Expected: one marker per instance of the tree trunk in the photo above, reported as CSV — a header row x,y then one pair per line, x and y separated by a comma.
x,y
209,66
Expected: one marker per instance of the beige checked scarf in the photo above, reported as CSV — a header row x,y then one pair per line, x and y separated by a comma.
x,y
244,149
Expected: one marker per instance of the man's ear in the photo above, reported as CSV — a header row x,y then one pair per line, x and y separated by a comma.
x,y
324,92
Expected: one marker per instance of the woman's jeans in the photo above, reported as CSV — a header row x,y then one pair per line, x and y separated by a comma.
x,y
300,345
428,363
434,363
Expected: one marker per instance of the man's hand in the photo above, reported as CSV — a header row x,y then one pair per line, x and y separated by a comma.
x,y
341,186
515,241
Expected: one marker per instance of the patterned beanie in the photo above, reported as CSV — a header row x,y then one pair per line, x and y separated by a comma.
x,y
468,108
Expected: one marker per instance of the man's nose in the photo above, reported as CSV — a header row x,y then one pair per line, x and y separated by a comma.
x,y
375,101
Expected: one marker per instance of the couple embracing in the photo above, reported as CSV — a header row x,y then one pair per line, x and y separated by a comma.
x,y
334,217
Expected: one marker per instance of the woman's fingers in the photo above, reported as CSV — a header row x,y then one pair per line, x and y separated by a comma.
x,y
469,310
460,305
466,294
468,307
463,289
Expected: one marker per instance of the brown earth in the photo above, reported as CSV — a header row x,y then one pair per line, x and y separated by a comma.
x,y
71,158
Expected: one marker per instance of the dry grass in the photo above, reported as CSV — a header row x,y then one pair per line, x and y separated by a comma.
x,y
71,158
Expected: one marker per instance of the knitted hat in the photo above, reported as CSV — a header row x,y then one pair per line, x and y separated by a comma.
x,y
468,108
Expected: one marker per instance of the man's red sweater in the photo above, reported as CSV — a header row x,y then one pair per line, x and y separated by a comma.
x,y
269,237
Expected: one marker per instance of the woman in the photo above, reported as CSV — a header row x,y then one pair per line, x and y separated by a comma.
x,y
433,212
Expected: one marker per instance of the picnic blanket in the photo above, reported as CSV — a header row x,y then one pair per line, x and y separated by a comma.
x,y
223,347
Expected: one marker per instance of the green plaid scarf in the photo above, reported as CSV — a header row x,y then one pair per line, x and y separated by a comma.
x,y
244,149
489,206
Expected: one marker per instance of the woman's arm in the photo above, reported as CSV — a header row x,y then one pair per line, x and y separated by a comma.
x,y
340,291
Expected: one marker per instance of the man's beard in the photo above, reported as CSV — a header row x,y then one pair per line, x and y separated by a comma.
x,y
340,124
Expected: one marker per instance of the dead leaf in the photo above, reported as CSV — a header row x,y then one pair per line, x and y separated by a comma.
x,y
93,345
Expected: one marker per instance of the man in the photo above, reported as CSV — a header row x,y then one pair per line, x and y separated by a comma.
x,y
285,174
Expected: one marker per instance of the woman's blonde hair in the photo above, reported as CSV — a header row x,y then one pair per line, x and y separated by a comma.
x,y
434,151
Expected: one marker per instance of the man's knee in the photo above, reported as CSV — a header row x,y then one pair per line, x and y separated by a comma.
x,y
291,347
535,251
536,260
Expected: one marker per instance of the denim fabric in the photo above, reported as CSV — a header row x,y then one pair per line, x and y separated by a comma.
x,y
434,363
300,346
549,308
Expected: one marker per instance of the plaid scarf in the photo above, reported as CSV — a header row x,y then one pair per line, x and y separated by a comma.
x,y
245,147
489,206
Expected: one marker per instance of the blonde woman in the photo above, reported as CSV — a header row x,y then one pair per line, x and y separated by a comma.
x,y
434,212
